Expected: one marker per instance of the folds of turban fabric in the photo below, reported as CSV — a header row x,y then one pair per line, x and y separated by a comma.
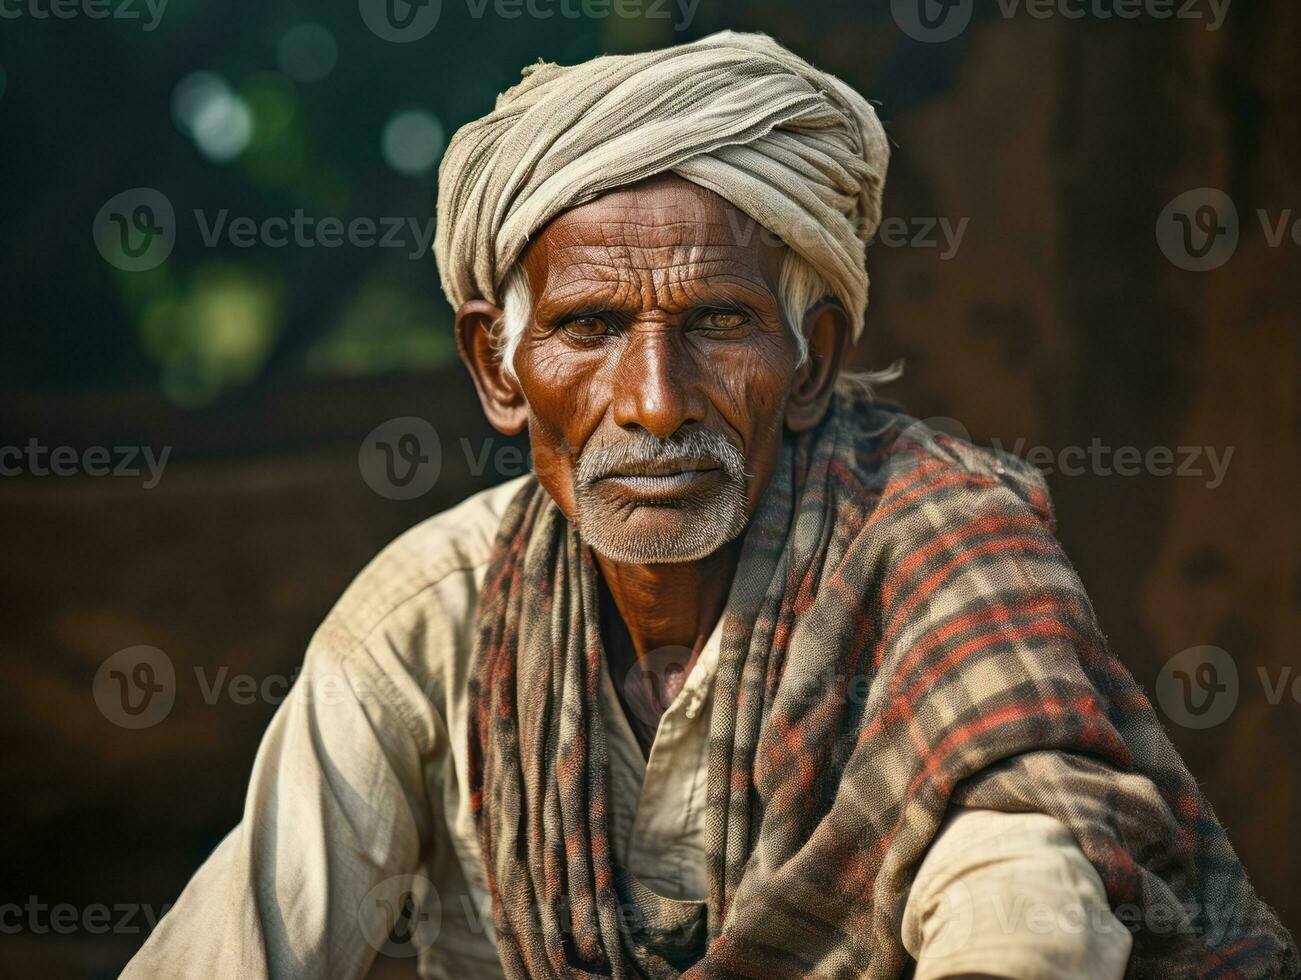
x,y
796,149
903,632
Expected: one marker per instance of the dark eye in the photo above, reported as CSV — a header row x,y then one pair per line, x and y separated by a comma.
x,y
587,327
723,320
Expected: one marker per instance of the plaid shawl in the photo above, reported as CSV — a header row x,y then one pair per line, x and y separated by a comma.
x,y
903,633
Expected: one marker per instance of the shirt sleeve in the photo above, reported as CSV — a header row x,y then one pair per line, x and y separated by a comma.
x,y
316,874
1010,895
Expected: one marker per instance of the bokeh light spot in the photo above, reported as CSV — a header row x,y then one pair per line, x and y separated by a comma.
x,y
224,128
219,121
412,142
307,52
191,94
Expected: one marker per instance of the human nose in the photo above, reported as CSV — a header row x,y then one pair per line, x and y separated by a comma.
x,y
655,386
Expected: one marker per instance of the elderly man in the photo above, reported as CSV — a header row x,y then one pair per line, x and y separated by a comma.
x,y
896,735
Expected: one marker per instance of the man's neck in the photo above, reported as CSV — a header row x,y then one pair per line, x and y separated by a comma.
x,y
669,609
670,605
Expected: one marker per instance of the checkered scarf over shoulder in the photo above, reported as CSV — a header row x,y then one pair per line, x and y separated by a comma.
x,y
903,633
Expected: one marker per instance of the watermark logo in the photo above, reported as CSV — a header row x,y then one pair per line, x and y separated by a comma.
x,y
942,424
1198,687
401,916
135,687
921,439
403,458
400,459
933,21
1198,230
136,230
654,682
400,21
950,913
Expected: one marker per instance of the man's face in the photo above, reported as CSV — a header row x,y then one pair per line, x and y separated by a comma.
x,y
656,369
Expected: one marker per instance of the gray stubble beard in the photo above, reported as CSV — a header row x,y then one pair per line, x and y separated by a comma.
x,y
705,521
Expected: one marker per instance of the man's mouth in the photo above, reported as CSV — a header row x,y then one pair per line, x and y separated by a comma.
x,y
661,477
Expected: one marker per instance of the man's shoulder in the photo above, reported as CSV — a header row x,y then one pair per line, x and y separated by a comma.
x,y
455,539
935,462
440,560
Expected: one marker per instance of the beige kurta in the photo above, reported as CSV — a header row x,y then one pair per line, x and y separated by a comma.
x,y
355,803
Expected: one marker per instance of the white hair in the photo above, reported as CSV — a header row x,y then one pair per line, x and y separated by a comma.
x,y
800,287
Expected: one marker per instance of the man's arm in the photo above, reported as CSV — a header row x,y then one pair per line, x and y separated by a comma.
x,y
1010,895
333,820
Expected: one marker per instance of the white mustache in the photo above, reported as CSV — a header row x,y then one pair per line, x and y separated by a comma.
x,y
697,449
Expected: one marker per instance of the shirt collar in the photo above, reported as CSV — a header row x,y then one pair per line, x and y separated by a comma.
x,y
696,689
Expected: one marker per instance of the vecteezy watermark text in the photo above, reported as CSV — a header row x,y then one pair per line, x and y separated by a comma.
x,y
1212,12
936,21
1099,459
681,12
403,458
919,231
404,21
310,232
63,919
37,459
90,9
136,230
137,686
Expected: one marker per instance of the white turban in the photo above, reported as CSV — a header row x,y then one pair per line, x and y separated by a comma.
x,y
796,149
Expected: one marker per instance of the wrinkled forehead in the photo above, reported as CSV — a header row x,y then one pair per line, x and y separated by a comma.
x,y
665,228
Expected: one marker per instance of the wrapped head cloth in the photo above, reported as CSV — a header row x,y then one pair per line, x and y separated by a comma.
x,y
796,149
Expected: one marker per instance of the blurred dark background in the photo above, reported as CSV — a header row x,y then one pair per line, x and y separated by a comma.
x,y
1058,319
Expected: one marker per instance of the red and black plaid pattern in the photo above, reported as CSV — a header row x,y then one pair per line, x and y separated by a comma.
x,y
903,632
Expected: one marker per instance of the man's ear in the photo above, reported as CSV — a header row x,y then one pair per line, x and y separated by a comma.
x,y
827,328
499,392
